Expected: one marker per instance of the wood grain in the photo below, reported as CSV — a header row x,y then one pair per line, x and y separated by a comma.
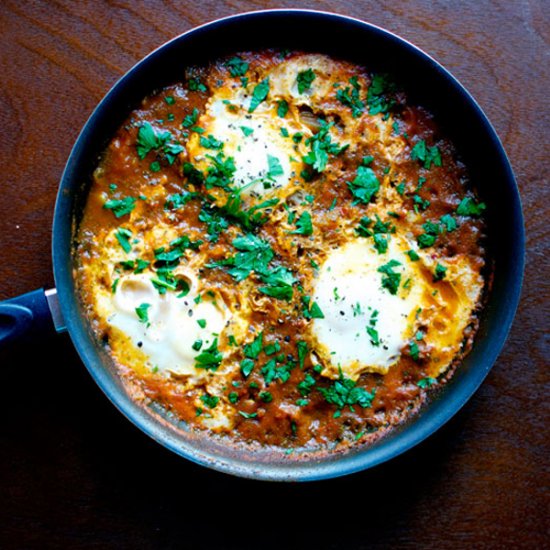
x,y
75,474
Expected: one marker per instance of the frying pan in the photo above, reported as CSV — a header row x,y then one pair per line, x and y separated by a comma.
x,y
427,83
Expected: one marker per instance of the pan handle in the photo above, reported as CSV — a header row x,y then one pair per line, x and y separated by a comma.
x,y
29,317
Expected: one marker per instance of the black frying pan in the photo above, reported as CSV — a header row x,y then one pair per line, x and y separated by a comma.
x,y
428,84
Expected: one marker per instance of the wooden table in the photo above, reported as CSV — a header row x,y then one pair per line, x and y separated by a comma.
x,y
75,474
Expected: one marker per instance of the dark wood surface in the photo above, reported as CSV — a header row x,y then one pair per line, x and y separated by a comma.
x,y
75,474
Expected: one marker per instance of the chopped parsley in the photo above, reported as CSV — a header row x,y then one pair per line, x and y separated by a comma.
x,y
253,254
380,95
211,142
448,222
414,350
380,243
390,279
266,397
190,119
364,186
237,66
321,146
439,273
142,311
178,200
426,155
254,349
344,392
282,108
426,382
121,207
303,225
210,400
306,385
302,348
195,85
304,80
215,222
149,139
274,167
248,416
349,97
468,207
311,310
428,238
414,257
220,172
271,371
247,131
278,283
197,345
123,236
210,358
259,94
247,365
374,337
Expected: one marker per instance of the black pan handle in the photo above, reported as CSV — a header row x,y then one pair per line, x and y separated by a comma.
x,y
28,318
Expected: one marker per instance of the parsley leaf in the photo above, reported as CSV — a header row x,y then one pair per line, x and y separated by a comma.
x,y
306,385
468,207
253,349
321,146
448,222
178,200
414,257
253,255
149,139
123,236
220,172
237,66
302,348
190,119
259,94
414,350
210,358
426,155
364,186
304,80
247,365
350,97
428,238
303,225
426,382
440,272
215,223
282,108
311,309
210,400
142,311
120,207
380,94
195,85
380,243
344,391
271,371
373,334
279,283
274,167
211,142
391,279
